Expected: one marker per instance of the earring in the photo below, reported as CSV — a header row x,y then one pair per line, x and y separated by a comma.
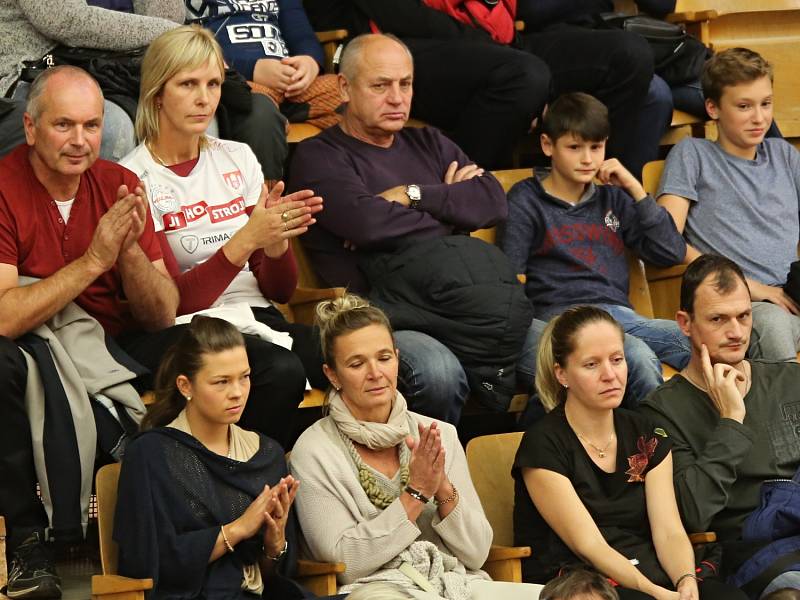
x,y
566,387
188,398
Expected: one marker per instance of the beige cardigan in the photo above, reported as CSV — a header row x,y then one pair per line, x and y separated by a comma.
x,y
340,524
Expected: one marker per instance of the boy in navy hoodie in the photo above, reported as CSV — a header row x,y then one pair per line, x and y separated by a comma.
x,y
568,236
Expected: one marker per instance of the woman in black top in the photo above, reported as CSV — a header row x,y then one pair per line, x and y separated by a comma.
x,y
594,481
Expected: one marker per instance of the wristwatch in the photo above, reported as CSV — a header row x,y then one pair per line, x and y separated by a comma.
x,y
280,554
414,195
416,495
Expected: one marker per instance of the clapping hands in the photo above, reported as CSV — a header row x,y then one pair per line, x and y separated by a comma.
x,y
426,467
270,510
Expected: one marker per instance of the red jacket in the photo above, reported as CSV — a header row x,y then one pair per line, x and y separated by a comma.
x,y
497,20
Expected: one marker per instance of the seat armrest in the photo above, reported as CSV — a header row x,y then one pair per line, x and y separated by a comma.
x,y
504,563
659,273
334,35
305,295
309,568
117,584
304,302
692,16
706,537
508,552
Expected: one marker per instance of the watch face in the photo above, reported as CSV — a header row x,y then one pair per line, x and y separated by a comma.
x,y
413,192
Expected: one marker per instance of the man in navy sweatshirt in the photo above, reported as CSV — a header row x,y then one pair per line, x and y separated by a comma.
x,y
568,236
385,186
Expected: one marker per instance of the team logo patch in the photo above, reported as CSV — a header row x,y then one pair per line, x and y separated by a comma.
x,y
234,179
190,243
611,221
164,198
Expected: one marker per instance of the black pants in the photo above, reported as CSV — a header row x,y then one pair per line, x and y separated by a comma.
x,y
484,95
614,66
19,503
710,589
277,378
12,132
305,343
264,130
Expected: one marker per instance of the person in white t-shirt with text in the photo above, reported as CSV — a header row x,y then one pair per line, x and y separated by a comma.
x,y
224,236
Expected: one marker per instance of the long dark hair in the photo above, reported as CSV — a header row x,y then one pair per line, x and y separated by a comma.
x,y
204,335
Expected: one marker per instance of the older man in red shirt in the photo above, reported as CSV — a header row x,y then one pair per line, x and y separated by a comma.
x,y
80,225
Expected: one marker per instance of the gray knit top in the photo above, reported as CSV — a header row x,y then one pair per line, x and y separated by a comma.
x,y
30,28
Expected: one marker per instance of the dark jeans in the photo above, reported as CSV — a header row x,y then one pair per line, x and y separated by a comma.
x,y
617,68
277,378
484,95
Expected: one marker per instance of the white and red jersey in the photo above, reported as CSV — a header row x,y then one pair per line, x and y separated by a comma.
x,y
200,212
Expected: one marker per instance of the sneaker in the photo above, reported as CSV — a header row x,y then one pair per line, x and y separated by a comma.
x,y
33,574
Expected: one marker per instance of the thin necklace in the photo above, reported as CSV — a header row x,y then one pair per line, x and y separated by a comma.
x,y
601,452
149,146
690,379
703,388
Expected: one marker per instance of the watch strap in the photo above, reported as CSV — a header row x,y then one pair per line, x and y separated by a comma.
x,y
417,495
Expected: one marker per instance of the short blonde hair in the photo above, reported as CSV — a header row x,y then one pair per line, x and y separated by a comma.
x,y
186,47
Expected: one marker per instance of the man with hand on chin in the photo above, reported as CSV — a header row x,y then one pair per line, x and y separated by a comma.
x,y
733,422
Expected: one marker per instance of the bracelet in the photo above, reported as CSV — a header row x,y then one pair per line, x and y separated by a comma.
x,y
417,495
280,554
228,546
685,576
451,498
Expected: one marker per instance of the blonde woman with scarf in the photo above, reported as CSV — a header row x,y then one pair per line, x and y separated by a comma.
x,y
385,490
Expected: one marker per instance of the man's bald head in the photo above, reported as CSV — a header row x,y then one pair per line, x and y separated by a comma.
x,y
56,79
352,57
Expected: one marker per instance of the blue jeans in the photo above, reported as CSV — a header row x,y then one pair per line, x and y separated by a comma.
x,y
648,343
651,122
431,378
789,579
776,333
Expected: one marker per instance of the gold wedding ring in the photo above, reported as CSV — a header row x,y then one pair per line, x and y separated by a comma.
x,y
285,216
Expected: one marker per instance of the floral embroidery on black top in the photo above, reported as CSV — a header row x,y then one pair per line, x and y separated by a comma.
x,y
638,462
